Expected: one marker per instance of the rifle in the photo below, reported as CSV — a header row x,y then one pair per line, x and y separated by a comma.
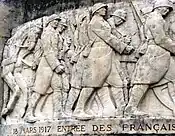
x,y
137,18
157,92
141,30
84,50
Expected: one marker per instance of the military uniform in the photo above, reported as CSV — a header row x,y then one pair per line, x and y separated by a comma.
x,y
154,68
101,55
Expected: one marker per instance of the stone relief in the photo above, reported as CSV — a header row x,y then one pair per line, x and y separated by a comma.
x,y
108,60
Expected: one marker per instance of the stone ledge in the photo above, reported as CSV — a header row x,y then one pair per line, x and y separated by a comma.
x,y
101,126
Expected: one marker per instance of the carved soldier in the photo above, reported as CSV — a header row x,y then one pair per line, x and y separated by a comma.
x,y
8,63
22,80
61,76
47,74
154,68
80,41
66,55
117,18
99,55
119,85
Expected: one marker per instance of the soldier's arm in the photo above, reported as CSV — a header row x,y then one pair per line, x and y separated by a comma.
x,y
161,39
52,59
111,40
51,54
32,42
168,44
8,61
38,52
76,40
157,30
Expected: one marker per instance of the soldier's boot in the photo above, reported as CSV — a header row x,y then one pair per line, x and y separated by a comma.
x,y
12,102
5,102
118,101
84,97
30,117
173,112
64,101
25,92
90,103
137,93
57,104
71,101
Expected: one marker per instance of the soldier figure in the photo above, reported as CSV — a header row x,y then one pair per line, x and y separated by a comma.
x,y
48,77
99,54
117,18
119,85
81,40
17,80
154,67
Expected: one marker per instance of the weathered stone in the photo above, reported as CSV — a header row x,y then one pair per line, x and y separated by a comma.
x,y
106,69
105,126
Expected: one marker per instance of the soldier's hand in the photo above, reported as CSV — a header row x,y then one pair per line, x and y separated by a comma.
x,y
127,39
74,59
59,69
141,50
129,49
31,46
34,66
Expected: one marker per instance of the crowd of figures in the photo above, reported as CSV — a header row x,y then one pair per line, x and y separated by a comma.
x,y
82,67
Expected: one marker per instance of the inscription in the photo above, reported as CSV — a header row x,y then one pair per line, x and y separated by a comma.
x,y
102,128
148,127
62,129
156,127
32,130
73,128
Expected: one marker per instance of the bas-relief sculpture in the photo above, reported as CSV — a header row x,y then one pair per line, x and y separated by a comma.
x,y
105,61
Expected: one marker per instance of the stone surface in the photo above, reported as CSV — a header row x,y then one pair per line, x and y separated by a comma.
x,y
105,126
108,68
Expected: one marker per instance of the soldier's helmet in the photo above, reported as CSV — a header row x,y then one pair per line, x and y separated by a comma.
x,y
163,3
81,17
63,22
53,17
120,13
98,6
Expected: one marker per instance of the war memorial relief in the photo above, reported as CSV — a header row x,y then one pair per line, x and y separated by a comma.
x,y
105,69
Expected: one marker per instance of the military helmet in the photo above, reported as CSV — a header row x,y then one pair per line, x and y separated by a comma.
x,y
163,3
98,6
120,13
53,17
63,22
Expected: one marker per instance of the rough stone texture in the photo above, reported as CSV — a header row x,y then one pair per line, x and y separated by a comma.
x,y
78,65
102,127
4,34
16,12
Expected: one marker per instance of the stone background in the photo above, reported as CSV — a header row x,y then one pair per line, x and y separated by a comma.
x,y
16,12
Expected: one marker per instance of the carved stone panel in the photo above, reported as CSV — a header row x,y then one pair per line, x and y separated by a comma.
x,y
105,69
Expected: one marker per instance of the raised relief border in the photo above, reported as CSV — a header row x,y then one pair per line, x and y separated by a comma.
x,y
93,127
105,69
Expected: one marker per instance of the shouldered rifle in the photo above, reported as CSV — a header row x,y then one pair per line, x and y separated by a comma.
x,y
137,18
141,30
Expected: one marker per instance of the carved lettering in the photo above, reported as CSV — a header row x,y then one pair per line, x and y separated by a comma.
x,y
15,131
132,127
79,65
75,128
102,128
109,127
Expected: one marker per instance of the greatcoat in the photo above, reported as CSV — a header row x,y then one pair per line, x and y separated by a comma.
x,y
99,66
156,63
